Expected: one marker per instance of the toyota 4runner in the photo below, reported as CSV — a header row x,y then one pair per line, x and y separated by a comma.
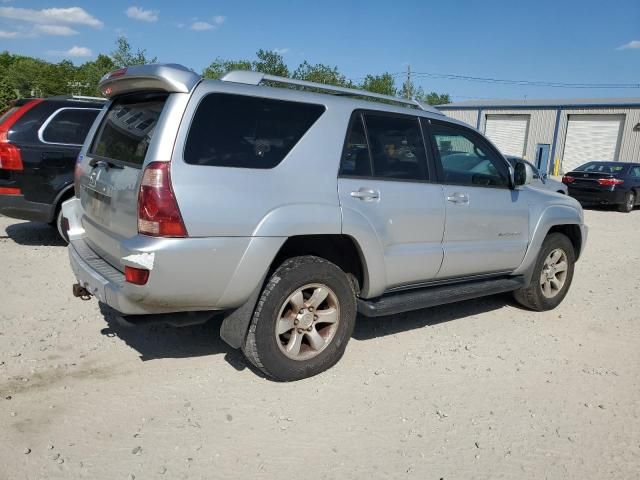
x,y
290,210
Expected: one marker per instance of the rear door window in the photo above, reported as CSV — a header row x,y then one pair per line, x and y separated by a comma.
x,y
127,129
68,126
246,132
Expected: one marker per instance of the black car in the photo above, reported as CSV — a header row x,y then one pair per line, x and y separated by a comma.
x,y
39,142
606,183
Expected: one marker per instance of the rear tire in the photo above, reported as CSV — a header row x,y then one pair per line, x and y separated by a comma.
x,y
303,320
629,203
552,275
58,224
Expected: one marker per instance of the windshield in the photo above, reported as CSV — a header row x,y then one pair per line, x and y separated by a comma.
x,y
601,167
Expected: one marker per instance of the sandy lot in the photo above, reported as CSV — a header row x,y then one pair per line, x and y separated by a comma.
x,y
481,389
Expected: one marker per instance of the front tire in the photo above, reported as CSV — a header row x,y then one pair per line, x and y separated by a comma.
x,y
552,275
303,320
629,203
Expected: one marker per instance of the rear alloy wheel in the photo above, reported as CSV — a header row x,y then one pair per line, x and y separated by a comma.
x,y
552,275
303,320
629,202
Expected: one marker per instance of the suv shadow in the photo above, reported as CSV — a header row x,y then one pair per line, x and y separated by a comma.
x,y
34,234
158,340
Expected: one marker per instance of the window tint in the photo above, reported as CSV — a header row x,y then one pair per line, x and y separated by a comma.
x,y
635,172
246,132
127,129
397,147
467,159
69,126
356,161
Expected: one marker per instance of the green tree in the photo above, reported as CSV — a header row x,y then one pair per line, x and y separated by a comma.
x,y
384,84
270,62
434,98
219,67
88,75
320,73
124,56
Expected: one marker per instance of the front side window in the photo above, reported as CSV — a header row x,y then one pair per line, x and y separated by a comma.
x,y
246,132
127,129
467,159
69,126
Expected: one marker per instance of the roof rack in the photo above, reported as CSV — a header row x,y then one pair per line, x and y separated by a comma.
x,y
256,78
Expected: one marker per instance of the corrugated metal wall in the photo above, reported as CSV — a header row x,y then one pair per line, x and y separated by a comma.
x,y
469,117
542,123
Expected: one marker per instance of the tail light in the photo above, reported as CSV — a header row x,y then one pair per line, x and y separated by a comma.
x,y
158,212
610,182
10,157
567,179
137,276
10,191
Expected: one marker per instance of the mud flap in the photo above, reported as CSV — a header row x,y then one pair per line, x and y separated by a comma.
x,y
235,325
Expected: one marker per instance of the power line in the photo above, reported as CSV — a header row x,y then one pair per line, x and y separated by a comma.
x,y
528,83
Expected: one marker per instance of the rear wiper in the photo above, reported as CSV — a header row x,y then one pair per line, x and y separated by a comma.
x,y
94,162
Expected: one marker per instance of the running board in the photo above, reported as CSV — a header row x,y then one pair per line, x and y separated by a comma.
x,y
408,300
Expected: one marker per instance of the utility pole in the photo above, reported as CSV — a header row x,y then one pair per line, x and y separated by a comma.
x,y
409,91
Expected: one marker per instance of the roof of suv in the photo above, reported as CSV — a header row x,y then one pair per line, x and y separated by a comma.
x,y
179,79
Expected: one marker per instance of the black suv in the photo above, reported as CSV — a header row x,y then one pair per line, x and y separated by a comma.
x,y
39,142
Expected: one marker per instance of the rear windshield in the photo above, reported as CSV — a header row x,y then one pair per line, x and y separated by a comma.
x,y
246,132
601,167
127,129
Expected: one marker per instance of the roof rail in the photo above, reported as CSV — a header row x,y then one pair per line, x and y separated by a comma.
x,y
256,78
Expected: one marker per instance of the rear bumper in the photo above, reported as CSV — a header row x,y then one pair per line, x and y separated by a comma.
x,y
186,274
16,206
602,197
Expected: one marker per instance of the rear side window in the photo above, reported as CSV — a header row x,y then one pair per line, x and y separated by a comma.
x,y
127,129
392,149
246,132
69,126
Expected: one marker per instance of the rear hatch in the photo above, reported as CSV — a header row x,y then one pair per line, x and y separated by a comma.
x,y
138,127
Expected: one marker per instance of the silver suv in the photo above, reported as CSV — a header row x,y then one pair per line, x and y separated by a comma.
x,y
290,210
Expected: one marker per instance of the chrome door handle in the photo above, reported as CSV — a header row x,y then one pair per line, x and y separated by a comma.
x,y
459,198
366,194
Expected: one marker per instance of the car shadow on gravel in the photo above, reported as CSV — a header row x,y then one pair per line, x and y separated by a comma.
x,y
369,328
158,340
34,234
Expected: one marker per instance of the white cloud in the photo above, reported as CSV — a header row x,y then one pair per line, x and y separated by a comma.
x,y
74,51
138,13
5,34
199,26
281,51
59,30
52,16
219,19
631,45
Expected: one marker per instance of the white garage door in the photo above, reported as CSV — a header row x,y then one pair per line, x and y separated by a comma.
x,y
508,132
591,137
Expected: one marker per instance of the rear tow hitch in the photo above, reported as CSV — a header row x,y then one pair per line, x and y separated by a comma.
x,y
81,292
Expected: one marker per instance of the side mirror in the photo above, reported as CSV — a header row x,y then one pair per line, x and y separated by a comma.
x,y
523,174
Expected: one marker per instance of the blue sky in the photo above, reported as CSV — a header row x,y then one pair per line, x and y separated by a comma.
x,y
566,41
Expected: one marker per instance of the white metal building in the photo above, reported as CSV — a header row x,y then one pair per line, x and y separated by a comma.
x,y
557,135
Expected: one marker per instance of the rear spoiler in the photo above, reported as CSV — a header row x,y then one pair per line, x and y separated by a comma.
x,y
163,77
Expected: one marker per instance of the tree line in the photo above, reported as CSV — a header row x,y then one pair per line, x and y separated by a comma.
x,y
23,76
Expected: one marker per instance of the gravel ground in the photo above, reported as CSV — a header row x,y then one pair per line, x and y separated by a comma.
x,y
480,389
